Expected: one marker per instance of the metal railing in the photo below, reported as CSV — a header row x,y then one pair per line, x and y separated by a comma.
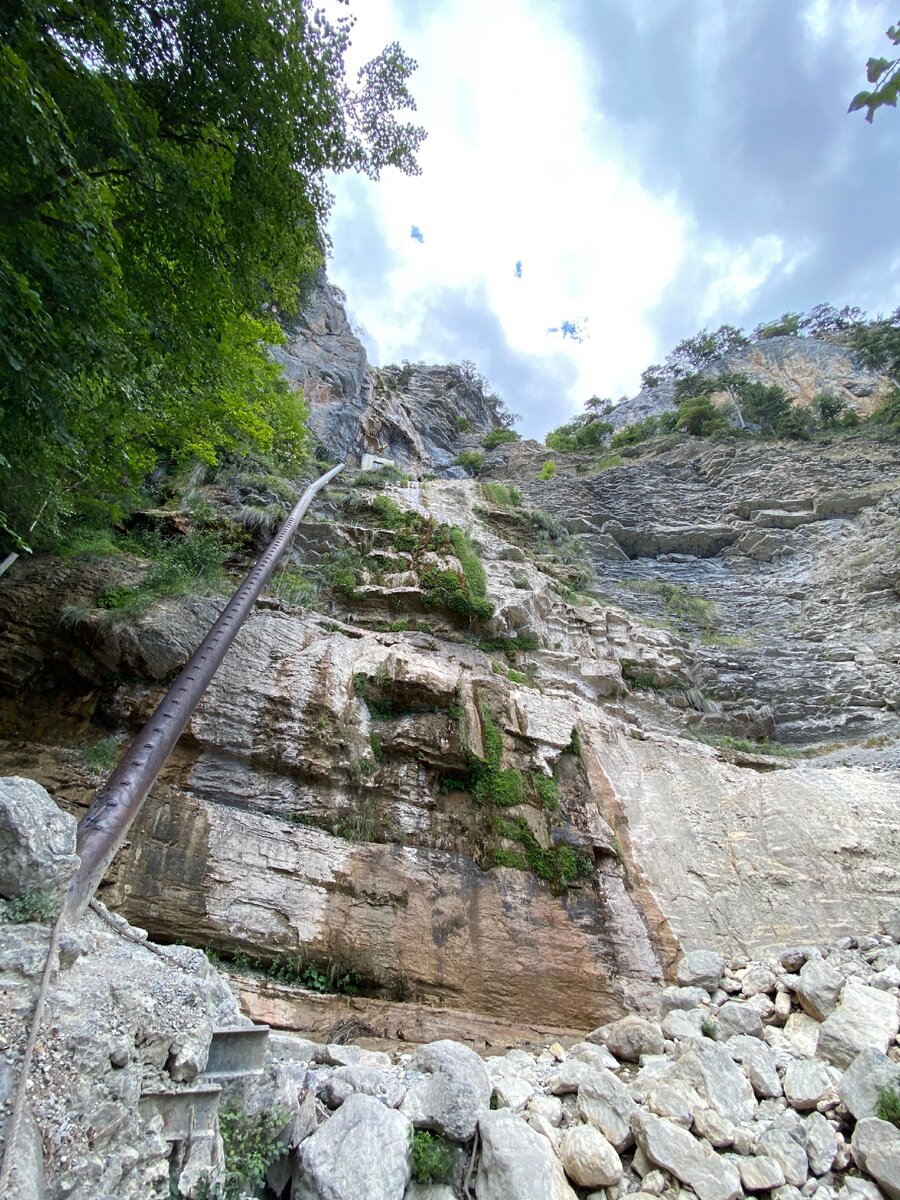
x,y
106,823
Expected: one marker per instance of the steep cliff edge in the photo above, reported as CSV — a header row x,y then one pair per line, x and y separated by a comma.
x,y
420,416
455,776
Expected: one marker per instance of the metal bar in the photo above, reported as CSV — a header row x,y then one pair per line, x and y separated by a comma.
x,y
106,823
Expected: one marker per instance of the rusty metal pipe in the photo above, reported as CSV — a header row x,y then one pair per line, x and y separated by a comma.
x,y
106,823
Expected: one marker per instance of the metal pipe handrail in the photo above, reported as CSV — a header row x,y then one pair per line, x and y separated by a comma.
x,y
106,823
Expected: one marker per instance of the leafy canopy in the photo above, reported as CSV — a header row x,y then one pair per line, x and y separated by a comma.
x,y
884,73
162,192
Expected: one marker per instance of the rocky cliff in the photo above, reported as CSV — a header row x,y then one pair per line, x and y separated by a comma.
x,y
420,416
502,759
804,367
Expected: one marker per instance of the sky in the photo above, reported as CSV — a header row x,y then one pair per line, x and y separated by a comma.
x,y
603,178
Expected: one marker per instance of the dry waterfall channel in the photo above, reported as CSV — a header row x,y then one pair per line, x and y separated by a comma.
x,y
541,849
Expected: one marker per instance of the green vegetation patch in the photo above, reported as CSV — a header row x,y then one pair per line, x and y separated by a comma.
x,y
560,866
470,461
188,566
39,907
502,494
499,437
546,789
743,745
465,592
548,470
585,432
102,756
888,1107
251,1144
678,600
432,1156
379,477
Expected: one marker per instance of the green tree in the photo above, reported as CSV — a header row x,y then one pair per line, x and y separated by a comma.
x,y
162,193
787,325
585,432
698,416
825,320
878,344
885,74
765,406
829,408
693,355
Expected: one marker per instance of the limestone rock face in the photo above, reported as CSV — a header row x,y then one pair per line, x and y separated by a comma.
x,y
37,840
803,367
401,413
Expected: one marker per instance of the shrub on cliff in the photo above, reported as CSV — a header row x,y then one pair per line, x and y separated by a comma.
x,y
470,460
585,432
499,437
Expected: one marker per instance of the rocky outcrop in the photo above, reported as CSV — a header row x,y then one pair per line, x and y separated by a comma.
x,y
774,562
327,802
420,416
803,367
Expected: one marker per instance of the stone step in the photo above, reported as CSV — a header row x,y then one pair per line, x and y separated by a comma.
x,y
188,1113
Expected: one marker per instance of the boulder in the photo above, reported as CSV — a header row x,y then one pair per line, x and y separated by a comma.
x,y
363,1150
818,988
691,1161
821,1143
676,1101
701,968
805,1083
865,1079
673,998
605,1102
512,1091
758,980
588,1158
37,840
866,1017
788,1153
387,1086
715,1128
760,1173
593,1054
516,1162
632,1037
680,1025
734,1018
453,1093
759,1067
713,1073
803,1034
876,1150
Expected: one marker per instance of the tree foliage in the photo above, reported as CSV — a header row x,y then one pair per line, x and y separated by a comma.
x,y
884,73
585,432
878,344
161,194
695,354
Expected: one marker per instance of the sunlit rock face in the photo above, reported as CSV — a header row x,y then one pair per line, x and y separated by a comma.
x,y
804,367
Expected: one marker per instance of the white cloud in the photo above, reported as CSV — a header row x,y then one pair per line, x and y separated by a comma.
x,y
516,167
738,275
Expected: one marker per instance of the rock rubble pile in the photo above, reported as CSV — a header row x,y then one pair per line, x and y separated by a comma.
x,y
753,1078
